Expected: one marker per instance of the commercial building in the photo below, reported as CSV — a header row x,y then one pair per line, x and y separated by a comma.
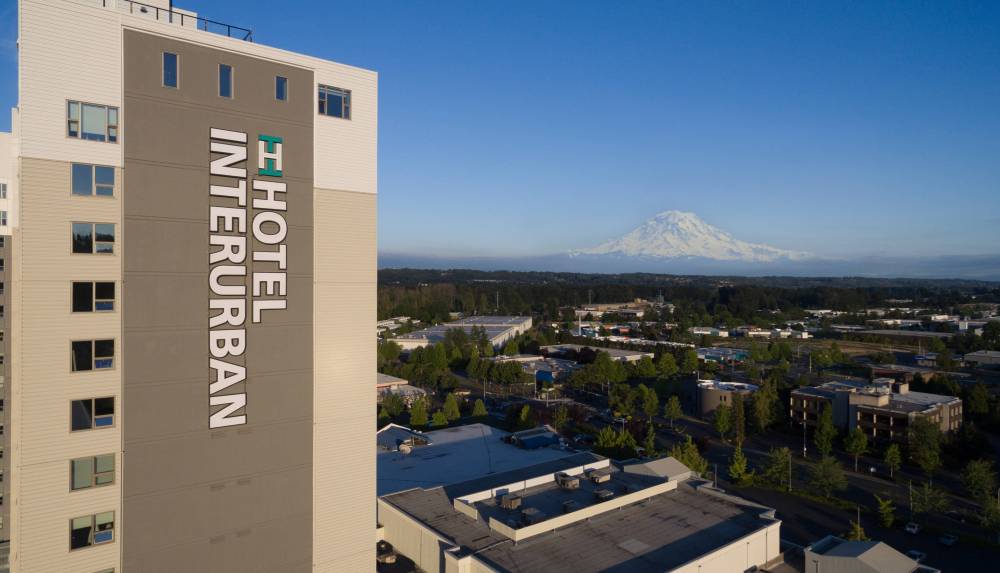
x,y
884,409
542,368
714,393
498,330
635,309
386,385
573,352
983,358
835,555
722,355
581,514
451,455
191,252
709,331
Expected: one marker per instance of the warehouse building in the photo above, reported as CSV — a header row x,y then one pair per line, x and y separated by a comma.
x,y
172,184
588,517
498,330
574,351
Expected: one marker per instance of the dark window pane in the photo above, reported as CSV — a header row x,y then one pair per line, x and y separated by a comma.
x,y
105,232
83,238
104,348
104,175
169,70
83,179
104,291
81,533
281,88
225,80
104,406
83,297
82,414
336,103
83,358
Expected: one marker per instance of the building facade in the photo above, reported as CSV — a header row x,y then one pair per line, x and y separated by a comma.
x,y
193,227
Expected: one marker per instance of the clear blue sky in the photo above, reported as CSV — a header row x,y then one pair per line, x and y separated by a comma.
x,y
523,127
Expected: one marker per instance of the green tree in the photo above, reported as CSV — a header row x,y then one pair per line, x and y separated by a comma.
x,y
383,417
856,444
451,409
645,368
439,419
827,476
666,366
650,442
510,349
894,459
739,420
886,511
978,401
825,431
722,419
650,401
672,410
779,466
687,453
763,403
925,444
393,404
526,417
929,499
980,480
857,533
479,409
739,471
418,413
689,361
560,417
622,399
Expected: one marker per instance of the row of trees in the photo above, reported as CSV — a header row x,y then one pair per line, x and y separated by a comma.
x,y
417,414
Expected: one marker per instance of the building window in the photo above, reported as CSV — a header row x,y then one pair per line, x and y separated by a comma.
x,y
90,530
92,414
92,471
1,264
334,102
93,180
280,88
3,218
92,122
94,238
92,355
3,190
225,80
93,296
169,70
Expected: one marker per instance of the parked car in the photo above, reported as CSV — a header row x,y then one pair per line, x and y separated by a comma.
x,y
912,527
948,539
917,556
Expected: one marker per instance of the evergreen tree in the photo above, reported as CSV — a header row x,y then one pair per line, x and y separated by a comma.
x,y
886,511
739,471
560,417
672,410
779,465
451,409
857,533
894,459
739,420
687,453
645,368
925,444
418,413
689,361
650,442
666,366
439,419
383,417
479,410
978,401
650,401
526,417
825,431
722,419
393,405
511,348
856,444
763,403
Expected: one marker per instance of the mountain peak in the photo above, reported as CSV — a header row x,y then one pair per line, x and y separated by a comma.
x,y
681,234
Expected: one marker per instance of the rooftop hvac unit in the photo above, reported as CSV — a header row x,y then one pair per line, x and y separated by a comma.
x,y
510,501
570,506
599,476
603,494
531,516
567,482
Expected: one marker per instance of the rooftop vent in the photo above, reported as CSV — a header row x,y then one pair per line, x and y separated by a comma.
x,y
510,501
567,482
570,506
599,476
603,494
531,516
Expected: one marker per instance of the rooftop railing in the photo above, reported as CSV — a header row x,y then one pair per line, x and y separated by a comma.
x,y
180,17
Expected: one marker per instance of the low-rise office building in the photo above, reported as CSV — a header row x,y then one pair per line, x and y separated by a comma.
x,y
498,330
884,409
714,393
586,517
573,351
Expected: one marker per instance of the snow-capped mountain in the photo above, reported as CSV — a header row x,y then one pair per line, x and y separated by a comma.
x,y
676,234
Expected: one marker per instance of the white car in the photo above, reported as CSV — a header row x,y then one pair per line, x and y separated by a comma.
x,y
912,527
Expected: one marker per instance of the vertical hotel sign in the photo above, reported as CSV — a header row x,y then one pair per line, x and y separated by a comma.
x,y
230,307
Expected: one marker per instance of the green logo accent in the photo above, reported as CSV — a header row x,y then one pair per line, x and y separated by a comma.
x,y
270,167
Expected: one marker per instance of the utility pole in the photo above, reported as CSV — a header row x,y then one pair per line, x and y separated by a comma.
x,y
804,448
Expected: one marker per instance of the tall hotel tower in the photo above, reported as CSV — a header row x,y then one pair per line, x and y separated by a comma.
x,y
188,223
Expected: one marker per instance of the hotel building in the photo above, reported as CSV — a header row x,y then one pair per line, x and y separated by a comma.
x,y
188,223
